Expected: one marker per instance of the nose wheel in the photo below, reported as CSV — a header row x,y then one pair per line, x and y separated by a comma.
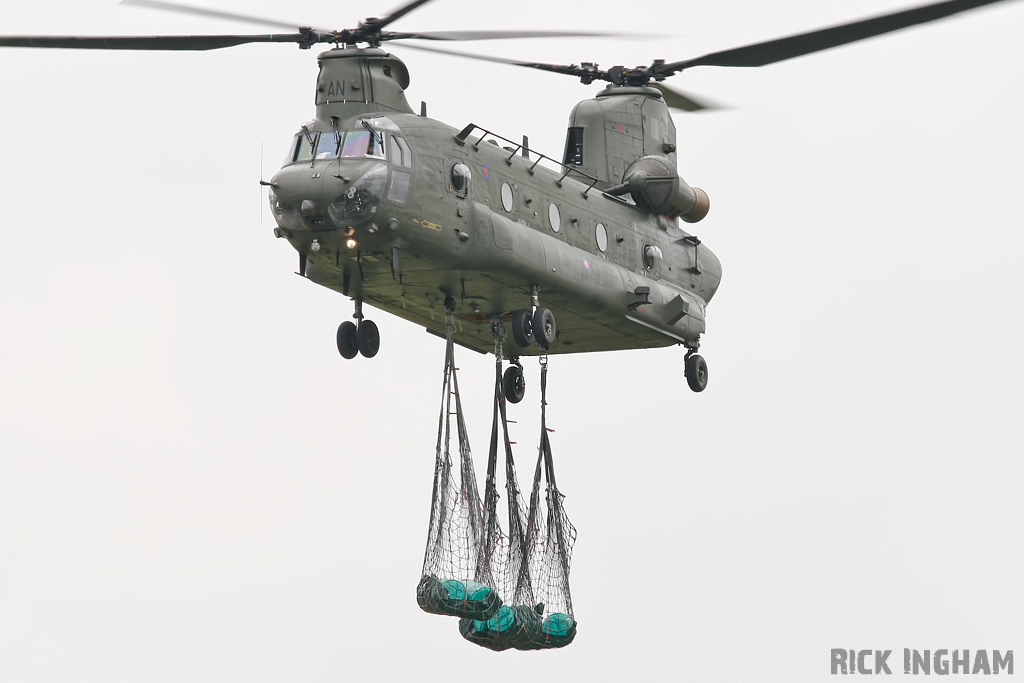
x,y
348,347
354,339
368,338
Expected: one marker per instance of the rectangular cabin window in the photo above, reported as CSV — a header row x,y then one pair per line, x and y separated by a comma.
x,y
574,147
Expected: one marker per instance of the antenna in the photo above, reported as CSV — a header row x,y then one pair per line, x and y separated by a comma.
x,y
261,183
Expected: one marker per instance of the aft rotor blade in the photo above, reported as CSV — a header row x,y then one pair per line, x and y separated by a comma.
x,y
216,14
760,54
145,42
677,100
498,35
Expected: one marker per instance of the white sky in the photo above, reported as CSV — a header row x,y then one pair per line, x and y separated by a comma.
x,y
194,486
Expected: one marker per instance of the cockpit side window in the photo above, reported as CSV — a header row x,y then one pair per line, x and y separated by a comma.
x,y
301,149
401,181
401,155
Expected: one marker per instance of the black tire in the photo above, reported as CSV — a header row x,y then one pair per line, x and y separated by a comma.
x,y
522,328
347,346
696,373
368,338
544,329
514,383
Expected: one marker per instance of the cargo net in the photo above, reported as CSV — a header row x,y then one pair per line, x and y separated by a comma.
x,y
510,590
456,578
531,562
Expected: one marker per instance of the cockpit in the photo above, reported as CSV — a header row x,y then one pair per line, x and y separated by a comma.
x,y
361,143
360,153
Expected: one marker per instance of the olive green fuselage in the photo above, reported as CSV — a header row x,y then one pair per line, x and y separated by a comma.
x,y
397,230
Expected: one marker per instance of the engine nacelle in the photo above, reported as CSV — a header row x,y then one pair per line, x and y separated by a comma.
x,y
655,186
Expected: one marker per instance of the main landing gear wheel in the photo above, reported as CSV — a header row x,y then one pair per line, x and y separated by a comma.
x,y
367,338
522,328
544,330
696,373
347,345
514,383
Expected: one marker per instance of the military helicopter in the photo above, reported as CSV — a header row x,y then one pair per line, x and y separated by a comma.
x,y
419,218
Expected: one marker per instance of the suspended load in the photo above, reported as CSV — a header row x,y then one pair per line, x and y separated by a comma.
x,y
456,579
531,562
510,590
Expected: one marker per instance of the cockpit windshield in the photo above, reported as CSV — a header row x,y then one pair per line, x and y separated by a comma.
x,y
327,146
360,143
330,145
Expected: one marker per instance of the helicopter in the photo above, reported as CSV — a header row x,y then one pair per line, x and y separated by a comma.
x,y
419,218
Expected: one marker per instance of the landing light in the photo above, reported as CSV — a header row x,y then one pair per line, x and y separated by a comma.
x,y
351,244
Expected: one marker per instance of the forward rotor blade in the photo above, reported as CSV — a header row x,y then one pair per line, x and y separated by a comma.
x,y
677,100
673,98
216,14
145,42
498,35
571,70
769,52
397,14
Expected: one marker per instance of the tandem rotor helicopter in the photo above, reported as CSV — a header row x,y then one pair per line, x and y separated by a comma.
x,y
419,218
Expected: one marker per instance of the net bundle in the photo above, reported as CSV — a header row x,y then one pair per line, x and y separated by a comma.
x,y
456,579
510,590
530,564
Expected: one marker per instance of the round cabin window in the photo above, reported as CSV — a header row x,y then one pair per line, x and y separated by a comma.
x,y
554,218
507,198
602,237
460,178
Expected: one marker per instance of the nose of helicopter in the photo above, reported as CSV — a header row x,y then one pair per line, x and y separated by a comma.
x,y
341,192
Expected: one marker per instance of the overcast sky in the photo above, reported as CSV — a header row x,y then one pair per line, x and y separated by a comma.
x,y
194,486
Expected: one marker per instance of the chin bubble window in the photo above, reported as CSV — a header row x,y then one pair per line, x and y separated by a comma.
x,y
360,200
